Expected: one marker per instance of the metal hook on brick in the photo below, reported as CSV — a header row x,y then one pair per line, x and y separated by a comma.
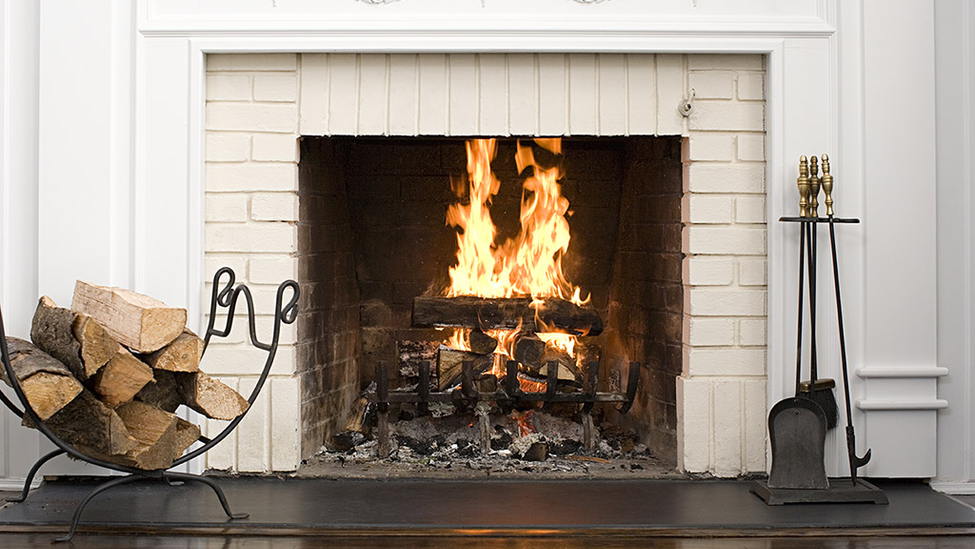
x,y
686,107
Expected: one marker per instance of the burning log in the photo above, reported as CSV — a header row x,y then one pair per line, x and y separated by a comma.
x,y
450,366
506,314
568,366
528,349
47,383
481,343
412,354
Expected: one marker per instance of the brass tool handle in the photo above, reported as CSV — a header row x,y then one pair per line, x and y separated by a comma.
x,y
814,184
827,185
803,183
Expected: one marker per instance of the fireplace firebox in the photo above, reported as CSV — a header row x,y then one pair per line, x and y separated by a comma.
x,y
375,241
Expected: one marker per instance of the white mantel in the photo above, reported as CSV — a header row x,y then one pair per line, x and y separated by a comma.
x,y
112,94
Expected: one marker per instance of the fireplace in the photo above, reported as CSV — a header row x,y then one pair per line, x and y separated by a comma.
x,y
669,208
372,239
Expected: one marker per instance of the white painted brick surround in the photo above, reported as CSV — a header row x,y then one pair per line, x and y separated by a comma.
x,y
258,104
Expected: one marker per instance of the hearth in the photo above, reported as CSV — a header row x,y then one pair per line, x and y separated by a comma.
x,y
513,297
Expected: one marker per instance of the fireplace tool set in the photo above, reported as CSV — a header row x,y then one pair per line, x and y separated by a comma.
x,y
798,425
225,296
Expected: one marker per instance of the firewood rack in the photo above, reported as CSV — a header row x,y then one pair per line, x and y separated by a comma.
x,y
224,296
506,396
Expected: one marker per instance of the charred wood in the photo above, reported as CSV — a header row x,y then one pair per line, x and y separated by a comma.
x,y
506,313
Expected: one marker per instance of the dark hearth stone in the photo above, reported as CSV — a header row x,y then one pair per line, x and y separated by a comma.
x,y
538,451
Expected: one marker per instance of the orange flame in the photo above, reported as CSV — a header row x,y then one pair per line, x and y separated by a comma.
x,y
529,264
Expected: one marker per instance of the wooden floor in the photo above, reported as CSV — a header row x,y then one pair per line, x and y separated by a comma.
x,y
92,541
288,517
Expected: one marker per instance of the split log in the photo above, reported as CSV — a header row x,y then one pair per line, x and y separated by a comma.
x,y
505,313
450,365
568,368
51,331
155,432
481,343
47,383
209,396
121,379
182,355
162,392
97,347
186,434
90,426
357,416
137,321
411,353
73,338
528,349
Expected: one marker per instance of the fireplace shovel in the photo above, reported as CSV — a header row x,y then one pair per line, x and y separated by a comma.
x,y
797,425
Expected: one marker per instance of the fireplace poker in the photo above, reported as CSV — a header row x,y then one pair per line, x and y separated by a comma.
x,y
851,448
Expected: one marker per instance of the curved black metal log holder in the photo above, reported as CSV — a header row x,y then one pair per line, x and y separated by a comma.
x,y
467,395
224,296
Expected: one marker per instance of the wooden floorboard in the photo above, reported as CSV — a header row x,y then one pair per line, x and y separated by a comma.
x,y
102,541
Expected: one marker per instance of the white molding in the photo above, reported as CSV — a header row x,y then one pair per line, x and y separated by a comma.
x,y
954,488
11,484
891,404
907,372
805,18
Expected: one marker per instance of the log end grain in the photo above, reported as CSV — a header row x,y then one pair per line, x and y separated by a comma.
x,y
122,378
97,346
182,355
210,397
47,393
137,321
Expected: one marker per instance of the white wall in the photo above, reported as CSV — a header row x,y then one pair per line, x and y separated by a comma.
x,y
18,205
110,147
955,71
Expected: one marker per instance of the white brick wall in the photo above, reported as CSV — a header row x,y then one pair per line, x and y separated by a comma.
x,y
721,393
251,207
258,104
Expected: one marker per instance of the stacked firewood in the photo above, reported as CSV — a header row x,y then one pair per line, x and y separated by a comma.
x,y
107,375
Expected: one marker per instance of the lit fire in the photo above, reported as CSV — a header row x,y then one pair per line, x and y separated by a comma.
x,y
529,265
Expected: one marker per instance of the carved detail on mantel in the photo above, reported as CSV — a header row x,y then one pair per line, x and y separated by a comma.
x,y
380,2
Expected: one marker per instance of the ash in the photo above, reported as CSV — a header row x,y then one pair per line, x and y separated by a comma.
x,y
529,442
